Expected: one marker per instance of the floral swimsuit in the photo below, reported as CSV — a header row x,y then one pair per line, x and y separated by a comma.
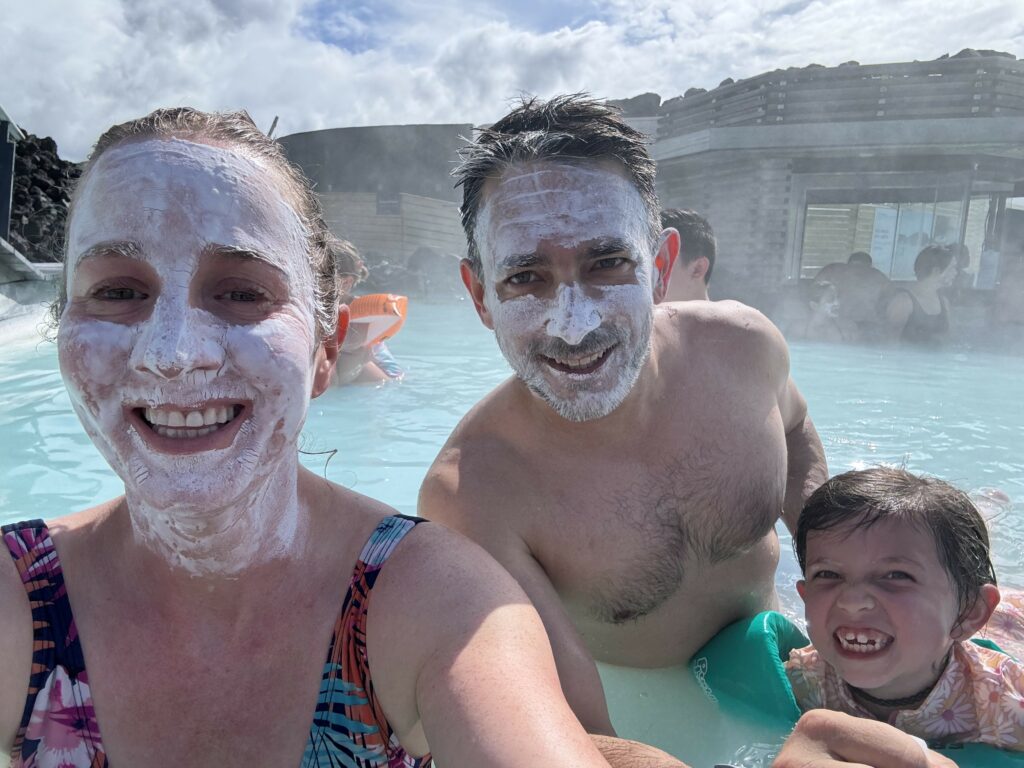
x,y
59,726
978,698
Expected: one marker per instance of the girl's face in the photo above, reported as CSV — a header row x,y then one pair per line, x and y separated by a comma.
x,y
189,343
880,607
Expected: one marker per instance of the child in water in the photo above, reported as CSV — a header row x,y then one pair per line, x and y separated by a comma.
x,y
897,577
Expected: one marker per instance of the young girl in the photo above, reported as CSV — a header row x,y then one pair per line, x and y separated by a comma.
x,y
897,577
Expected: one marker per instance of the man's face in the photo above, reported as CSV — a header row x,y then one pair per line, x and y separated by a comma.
x,y
567,281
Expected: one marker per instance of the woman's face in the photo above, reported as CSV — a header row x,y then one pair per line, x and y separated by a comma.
x,y
189,343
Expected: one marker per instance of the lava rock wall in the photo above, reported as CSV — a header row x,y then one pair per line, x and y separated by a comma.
x,y
42,192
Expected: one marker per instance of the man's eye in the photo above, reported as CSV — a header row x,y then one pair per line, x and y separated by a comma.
x,y
522,278
609,262
118,293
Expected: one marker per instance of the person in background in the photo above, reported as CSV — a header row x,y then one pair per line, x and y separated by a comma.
x,y
861,291
820,319
359,363
697,250
897,577
919,313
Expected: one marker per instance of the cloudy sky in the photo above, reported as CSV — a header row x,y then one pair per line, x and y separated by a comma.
x,y
70,68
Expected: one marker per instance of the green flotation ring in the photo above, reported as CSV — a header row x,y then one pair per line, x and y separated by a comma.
x,y
741,670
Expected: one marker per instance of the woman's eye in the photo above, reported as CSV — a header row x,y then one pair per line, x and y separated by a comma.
x,y
898,576
241,295
118,293
244,295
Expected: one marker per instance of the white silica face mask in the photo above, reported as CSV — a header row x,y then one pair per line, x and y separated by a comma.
x,y
188,346
555,336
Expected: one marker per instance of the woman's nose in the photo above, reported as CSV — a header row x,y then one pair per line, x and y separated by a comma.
x,y
177,339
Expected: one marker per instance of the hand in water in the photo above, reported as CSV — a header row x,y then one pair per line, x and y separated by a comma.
x,y
824,739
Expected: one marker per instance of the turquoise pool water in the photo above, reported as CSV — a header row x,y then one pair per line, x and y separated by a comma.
x,y
957,414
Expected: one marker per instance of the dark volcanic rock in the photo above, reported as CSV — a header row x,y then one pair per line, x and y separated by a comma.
x,y
42,191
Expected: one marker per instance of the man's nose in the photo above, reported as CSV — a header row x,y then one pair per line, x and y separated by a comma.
x,y
575,315
177,339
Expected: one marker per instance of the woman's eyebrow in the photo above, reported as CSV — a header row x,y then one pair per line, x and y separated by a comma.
x,y
124,248
236,253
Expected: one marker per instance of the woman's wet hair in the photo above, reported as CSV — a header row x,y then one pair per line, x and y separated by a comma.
x,y
856,500
235,129
932,259
572,128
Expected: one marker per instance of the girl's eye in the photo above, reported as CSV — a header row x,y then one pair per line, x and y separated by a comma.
x,y
825,574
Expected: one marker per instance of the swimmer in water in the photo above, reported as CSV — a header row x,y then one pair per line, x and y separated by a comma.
x,y
897,578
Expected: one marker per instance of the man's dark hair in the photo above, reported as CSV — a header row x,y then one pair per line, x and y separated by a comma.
x,y
697,237
570,128
860,257
932,259
859,499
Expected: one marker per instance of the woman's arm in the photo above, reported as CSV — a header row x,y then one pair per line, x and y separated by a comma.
x,y
15,650
824,739
462,657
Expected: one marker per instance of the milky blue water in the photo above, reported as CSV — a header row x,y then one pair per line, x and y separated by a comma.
x,y
957,414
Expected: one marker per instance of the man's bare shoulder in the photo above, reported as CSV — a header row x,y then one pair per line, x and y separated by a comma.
x,y
710,324
467,487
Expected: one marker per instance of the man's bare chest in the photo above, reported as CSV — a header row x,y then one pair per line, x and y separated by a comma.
x,y
621,532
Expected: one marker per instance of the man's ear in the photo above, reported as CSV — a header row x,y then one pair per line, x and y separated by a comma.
x,y
664,260
475,287
977,615
698,268
801,589
327,354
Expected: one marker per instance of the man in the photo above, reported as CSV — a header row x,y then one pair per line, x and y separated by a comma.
x,y
631,473
862,293
691,276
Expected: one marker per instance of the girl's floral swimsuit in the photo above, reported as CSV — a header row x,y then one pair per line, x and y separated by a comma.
x,y
978,698
59,726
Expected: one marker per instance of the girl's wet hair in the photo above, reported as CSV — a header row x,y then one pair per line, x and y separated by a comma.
x,y
859,499
234,129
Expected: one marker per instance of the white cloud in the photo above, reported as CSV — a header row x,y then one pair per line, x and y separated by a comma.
x,y
72,69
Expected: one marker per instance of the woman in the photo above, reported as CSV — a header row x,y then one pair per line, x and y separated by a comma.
x,y
199,318
919,314
233,608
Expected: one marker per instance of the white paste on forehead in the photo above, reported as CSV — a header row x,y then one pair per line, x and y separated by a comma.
x,y
209,186
562,203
